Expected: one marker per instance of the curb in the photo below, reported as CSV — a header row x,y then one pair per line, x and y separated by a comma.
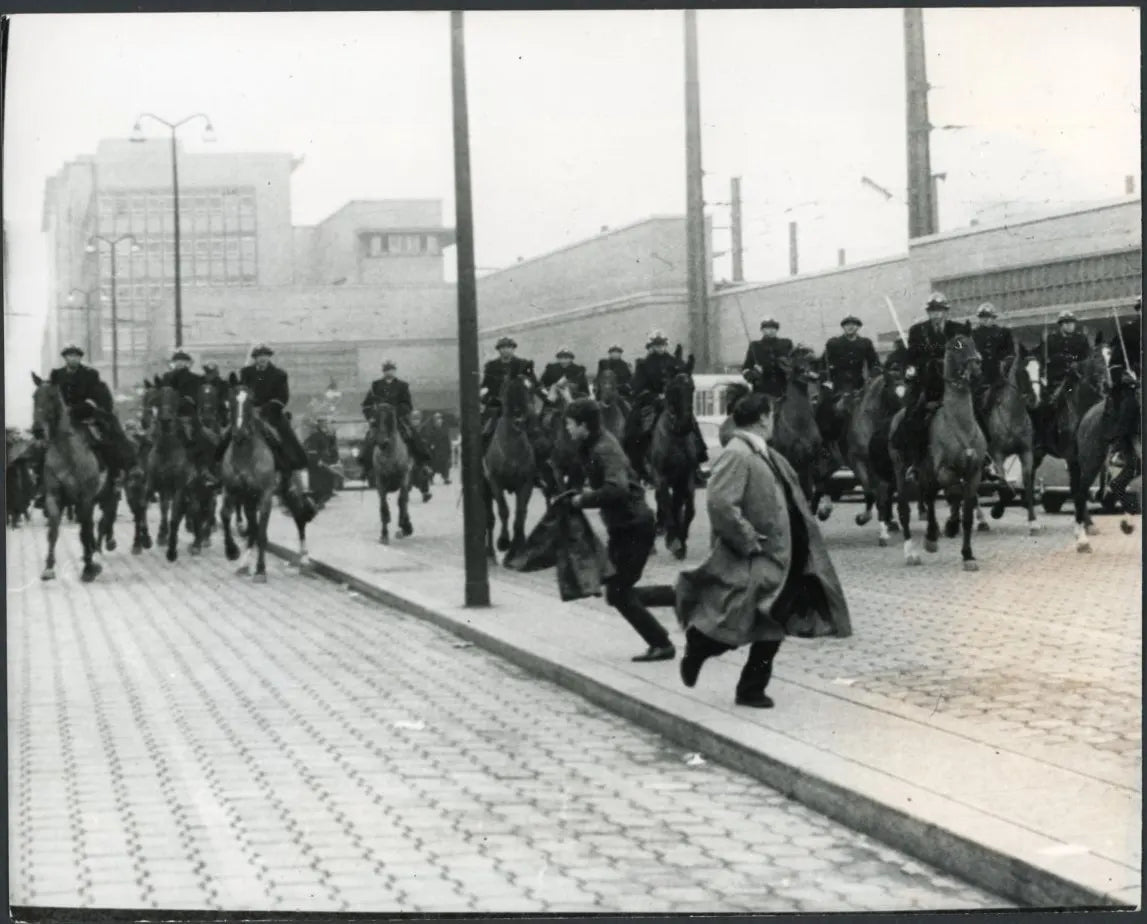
x,y
982,866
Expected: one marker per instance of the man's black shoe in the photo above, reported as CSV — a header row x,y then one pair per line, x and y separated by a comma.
x,y
755,701
691,668
664,653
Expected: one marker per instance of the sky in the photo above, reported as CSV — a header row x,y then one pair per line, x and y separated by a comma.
x,y
577,119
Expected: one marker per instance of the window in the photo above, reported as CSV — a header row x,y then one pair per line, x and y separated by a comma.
x,y
405,244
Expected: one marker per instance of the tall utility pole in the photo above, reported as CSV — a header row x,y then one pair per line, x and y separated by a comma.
x,y
473,505
794,262
737,229
921,208
695,202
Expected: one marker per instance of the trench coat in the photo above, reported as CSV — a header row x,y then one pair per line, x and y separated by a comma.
x,y
747,589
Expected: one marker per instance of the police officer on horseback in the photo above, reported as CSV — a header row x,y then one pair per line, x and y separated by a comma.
x,y
849,361
186,384
565,369
619,367
211,377
393,391
90,403
1121,414
765,360
494,375
270,392
924,374
650,379
994,342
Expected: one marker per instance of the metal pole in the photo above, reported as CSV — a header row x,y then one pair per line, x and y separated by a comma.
x,y
695,200
175,201
115,326
840,257
738,250
473,480
794,263
921,214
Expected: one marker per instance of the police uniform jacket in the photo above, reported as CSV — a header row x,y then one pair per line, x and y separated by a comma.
x,y
186,383
765,353
497,371
654,372
846,358
1132,333
1063,350
222,411
573,373
993,343
81,385
926,345
620,370
268,385
396,393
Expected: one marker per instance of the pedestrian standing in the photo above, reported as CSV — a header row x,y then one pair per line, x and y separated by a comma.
x,y
629,523
768,573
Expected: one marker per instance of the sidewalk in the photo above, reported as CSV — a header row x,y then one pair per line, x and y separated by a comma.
x,y
1045,824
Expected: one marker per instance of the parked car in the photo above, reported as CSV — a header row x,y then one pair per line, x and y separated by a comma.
x,y
1053,487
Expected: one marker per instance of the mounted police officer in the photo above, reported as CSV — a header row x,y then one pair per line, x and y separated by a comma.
x,y
393,391
90,403
186,384
765,360
650,379
994,342
1121,413
1066,346
211,377
270,392
565,368
494,375
849,361
924,374
620,369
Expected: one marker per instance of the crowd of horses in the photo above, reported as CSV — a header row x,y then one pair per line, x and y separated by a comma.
x,y
530,450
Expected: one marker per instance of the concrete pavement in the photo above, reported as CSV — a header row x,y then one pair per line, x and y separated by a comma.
x,y
181,738
988,723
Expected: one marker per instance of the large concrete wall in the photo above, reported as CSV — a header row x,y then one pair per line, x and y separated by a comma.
x,y
340,255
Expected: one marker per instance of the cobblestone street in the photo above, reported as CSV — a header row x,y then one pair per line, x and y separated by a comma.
x,y
182,739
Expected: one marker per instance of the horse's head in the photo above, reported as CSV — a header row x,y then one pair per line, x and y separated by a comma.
x,y
386,420
606,385
679,396
1092,371
148,395
242,408
1030,367
207,403
167,404
803,367
517,395
961,361
48,412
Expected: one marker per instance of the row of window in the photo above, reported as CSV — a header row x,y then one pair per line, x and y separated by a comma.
x,y
406,245
215,260
199,211
133,340
217,199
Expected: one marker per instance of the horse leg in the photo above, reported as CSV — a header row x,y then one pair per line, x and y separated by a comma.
x,y
521,507
503,543
177,511
52,511
932,533
687,514
230,549
251,517
1079,500
85,512
1027,466
384,515
164,507
405,527
488,499
263,521
904,514
952,524
971,500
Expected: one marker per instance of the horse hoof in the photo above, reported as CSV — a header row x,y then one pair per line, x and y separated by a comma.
x,y
172,554
384,540
679,553
49,574
194,550
983,527
136,548
883,542
1092,529
912,558
971,565
894,527
996,512
823,515
304,561
1034,529
243,570
1127,526
951,529
931,545
863,519
503,544
111,544
161,536
1082,545
146,542
90,572
260,578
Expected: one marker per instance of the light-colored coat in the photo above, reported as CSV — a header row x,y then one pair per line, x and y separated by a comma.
x,y
745,591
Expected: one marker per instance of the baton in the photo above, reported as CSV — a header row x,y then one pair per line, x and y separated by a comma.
x,y
896,320
1122,343
744,323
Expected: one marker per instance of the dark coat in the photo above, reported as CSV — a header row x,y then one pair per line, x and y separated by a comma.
x,y
266,386
926,348
621,372
573,373
83,384
1062,351
222,410
396,393
746,590
324,446
496,372
766,353
1133,339
613,484
994,343
186,383
846,359
437,440
654,372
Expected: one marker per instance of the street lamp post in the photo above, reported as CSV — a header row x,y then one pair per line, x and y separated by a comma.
x,y
113,243
208,135
87,307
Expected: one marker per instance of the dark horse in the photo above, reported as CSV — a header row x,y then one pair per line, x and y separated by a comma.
x,y
796,435
866,447
210,426
135,479
170,470
614,408
72,473
509,464
954,461
19,482
673,462
250,480
555,451
392,468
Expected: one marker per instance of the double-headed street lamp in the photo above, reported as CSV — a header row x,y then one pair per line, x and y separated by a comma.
x,y
208,135
113,243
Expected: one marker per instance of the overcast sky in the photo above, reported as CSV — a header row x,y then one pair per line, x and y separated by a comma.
x,y
577,117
